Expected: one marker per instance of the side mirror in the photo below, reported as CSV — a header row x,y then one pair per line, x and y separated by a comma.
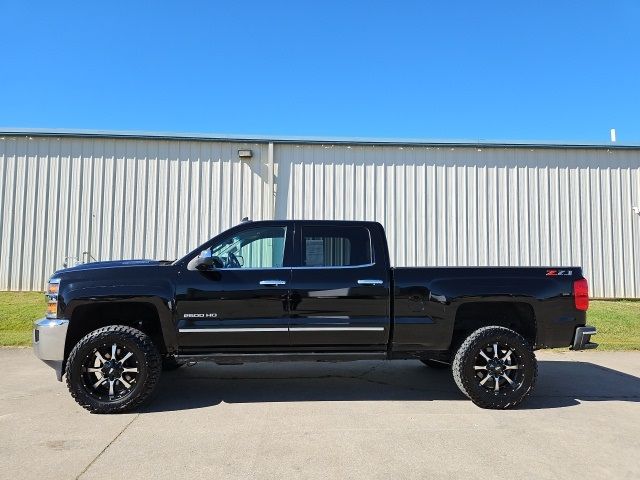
x,y
205,260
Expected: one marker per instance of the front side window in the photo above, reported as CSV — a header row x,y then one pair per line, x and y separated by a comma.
x,y
260,247
336,246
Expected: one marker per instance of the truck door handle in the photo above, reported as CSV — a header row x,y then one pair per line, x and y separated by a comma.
x,y
369,281
272,283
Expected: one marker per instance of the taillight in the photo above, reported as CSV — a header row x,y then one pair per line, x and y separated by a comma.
x,y
581,294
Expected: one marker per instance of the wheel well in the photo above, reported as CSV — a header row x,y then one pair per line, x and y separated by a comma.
x,y
517,316
140,315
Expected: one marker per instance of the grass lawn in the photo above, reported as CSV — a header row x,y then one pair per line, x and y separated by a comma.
x,y
618,322
18,310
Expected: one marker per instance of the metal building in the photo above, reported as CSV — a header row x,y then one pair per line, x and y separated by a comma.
x,y
67,197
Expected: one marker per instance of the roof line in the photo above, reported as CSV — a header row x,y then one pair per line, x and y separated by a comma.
x,y
60,132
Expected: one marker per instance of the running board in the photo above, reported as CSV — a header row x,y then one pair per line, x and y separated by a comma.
x,y
236,358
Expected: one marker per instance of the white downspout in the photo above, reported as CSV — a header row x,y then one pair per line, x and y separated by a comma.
x,y
271,188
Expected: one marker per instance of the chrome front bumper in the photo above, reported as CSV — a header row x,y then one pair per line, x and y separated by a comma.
x,y
49,336
582,338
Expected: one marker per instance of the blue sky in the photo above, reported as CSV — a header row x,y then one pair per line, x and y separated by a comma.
x,y
451,70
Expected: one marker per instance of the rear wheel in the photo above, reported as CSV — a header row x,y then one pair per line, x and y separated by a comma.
x,y
113,369
495,367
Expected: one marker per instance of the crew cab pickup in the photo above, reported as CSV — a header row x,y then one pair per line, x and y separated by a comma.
x,y
304,290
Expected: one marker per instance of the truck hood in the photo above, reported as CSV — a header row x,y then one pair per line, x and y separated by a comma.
x,y
110,264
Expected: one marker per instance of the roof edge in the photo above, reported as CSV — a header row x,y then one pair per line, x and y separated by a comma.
x,y
61,132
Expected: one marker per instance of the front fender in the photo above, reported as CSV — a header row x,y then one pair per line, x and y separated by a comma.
x,y
158,294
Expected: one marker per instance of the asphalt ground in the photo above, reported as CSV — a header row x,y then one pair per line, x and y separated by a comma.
x,y
327,420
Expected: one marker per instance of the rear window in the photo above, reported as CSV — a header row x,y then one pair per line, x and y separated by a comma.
x,y
334,246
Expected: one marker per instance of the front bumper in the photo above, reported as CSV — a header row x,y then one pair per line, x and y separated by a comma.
x,y
582,338
49,336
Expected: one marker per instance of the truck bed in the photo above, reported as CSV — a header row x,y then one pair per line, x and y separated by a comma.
x,y
430,301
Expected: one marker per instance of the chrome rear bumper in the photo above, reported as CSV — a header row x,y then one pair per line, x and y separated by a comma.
x,y
49,336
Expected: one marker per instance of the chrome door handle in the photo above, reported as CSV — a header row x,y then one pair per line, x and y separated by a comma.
x,y
272,283
368,281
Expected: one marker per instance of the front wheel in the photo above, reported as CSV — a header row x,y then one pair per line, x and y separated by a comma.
x,y
495,367
113,369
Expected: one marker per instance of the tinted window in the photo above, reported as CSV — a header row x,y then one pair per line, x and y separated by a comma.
x,y
335,246
252,248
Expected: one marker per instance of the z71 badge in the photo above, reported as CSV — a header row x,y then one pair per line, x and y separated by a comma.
x,y
559,273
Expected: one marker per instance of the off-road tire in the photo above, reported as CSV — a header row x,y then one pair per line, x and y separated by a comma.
x,y
435,364
465,376
150,367
169,363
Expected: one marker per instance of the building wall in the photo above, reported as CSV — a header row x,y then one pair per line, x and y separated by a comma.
x,y
117,199
440,205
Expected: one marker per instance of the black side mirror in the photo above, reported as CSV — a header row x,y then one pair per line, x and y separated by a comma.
x,y
205,261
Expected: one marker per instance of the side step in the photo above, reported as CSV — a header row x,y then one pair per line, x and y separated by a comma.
x,y
238,358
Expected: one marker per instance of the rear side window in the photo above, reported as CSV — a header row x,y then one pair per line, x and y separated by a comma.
x,y
334,246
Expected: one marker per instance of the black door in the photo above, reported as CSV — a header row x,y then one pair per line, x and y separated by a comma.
x,y
339,293
241,303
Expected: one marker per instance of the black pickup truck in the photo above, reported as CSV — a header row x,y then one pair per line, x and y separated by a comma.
x,y
304,290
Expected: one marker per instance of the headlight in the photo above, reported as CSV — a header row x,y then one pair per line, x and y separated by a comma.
x,y
52,297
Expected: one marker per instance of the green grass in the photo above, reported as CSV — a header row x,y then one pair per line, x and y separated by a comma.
x,y
18,310
618,322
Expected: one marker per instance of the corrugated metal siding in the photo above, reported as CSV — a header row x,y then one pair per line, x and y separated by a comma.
x,y
134,198
117,199
460,206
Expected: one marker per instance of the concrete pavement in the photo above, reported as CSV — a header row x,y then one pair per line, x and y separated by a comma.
x,y
322,420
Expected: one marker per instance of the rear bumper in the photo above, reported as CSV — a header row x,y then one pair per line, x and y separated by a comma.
x,y
49,337
582,338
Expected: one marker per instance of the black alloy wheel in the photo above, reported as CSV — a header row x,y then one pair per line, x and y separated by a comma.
x,y
113,369
498,368
495,367
110,372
